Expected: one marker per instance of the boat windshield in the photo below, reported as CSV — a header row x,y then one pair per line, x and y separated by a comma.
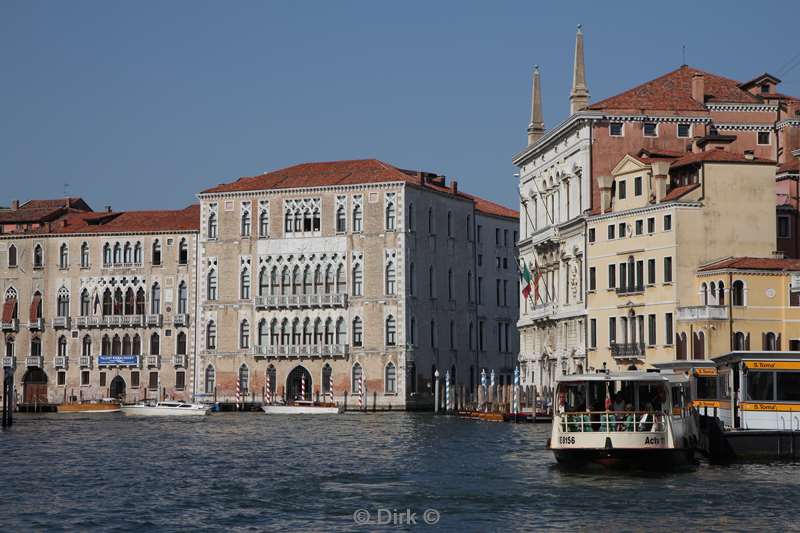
x,y
706,387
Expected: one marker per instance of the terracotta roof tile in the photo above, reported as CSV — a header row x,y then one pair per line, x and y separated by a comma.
x,y
678,192
717,156
753,263
352,172
73,203
673,92
181,220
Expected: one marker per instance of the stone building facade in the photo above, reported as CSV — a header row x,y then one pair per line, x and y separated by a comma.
x,y
351,280
98,304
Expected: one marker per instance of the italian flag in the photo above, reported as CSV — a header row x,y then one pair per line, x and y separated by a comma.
x,y
526,280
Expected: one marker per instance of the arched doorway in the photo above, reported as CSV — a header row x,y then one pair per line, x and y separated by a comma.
x,y
294,384
117,388
34,386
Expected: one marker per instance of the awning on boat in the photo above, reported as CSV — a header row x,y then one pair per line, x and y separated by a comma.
x,y
772,365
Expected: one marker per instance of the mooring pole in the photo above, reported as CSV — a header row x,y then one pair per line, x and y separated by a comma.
x,y
436,392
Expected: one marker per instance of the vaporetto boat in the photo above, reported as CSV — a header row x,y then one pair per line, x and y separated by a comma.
x,y
166,408
626,419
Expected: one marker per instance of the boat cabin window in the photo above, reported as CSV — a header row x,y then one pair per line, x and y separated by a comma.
x,y
761,386
725,385
678,399
788,386
706,387
596,396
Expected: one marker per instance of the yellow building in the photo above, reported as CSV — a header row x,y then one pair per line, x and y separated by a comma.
x,y
741,304
659,217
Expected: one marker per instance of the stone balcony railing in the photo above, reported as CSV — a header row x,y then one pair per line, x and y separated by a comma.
x,y
60,361
313,350
153,361
61,322
86,361
34,361
10,325
181,319
703,312
628,350
8,361
122,265
179,360
155,320
301,300
630,289
36,324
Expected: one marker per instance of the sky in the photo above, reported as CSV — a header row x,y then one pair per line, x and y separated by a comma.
x,y
140,105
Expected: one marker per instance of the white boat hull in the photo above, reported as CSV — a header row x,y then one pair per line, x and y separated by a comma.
x,y
301,410
146,410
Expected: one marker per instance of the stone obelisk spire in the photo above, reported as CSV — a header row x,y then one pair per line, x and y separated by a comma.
x,y
536,127
579,96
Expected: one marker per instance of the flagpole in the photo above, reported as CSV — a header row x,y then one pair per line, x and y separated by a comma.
x,y
535,261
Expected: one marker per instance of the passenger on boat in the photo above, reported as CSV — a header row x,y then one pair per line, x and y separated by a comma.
x,y
619,402
629,418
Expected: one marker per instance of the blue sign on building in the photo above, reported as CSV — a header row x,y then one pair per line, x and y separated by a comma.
x,y
121,360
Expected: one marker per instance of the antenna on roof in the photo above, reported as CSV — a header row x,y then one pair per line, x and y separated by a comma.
x,y
683,55
66,189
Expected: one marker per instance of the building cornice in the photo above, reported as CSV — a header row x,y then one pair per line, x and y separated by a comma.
x,y
745,127
659,118
554,135
717,272
788,123
742,107
647,209
209,196
15,236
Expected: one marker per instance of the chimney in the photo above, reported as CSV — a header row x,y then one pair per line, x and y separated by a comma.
x,y
64,223
536,126
604,183
454,186
15,205
108,209
660,179
749,155
698,88
579,96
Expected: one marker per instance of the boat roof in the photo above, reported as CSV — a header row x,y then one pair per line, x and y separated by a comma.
x,y
735,357
623,376
685,365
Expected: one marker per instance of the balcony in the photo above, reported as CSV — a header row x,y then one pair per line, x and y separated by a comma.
x,y
179,360
37,324
88,321
181,319
60,361
289,301
703,312
630,289
628,350
122,265
111,321
290,352
154,320
34,361
11,325
61,322
86,361
153,361
8,361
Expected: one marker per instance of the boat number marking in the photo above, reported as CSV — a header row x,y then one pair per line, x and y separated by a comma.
x,y
652,440
566,439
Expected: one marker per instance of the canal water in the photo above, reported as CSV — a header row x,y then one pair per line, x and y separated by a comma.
x,y
251,472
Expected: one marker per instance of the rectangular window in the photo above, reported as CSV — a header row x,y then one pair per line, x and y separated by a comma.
x,y
621,230
639,275
621,192
651,225
651,330
153,381
651,271
788,385
650,129
497,236
62,378
480,289
761,386
615,129
763,137
591,235
610,232
480,335
667,222
84,378
784,228
593,333
592,279
668,329
639,227
479,232
612,330
683,130
102,379
667,270
637,186
180,380
623,276
135,379
612,276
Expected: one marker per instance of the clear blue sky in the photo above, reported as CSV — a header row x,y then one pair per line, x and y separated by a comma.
x,y
142,104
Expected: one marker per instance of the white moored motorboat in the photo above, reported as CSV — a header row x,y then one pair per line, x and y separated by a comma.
x,y
166,408
627,419
303,408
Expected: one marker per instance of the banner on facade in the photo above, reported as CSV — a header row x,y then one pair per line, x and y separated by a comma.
x,y
118,360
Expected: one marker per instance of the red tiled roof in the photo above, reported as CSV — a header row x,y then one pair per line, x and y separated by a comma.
x,y
74,203
717,156
753,263
187,219
673,92
351,172
678,192
39,215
